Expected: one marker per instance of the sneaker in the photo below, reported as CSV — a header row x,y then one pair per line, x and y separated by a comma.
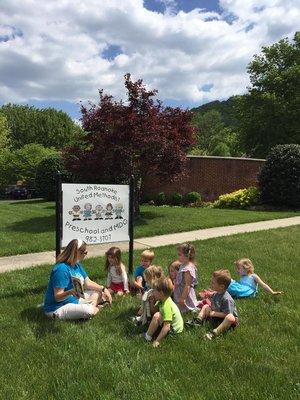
x,y
194,322
210,336
144,335
136,320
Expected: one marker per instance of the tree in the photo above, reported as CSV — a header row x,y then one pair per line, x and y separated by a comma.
x,y
4,133
213,137
140,137
21,164
279,179
48,127
45,178
269,112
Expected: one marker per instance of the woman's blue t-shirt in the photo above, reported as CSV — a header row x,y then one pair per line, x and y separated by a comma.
x,y
61,277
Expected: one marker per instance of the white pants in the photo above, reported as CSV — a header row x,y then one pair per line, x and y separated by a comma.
x,y
72,311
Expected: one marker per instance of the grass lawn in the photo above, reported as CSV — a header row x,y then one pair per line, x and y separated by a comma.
x,y
106,359
27,227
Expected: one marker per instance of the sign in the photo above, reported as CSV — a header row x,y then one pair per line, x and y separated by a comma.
x,y
95,213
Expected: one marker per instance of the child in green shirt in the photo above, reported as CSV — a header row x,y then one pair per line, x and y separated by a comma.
x,y
168,316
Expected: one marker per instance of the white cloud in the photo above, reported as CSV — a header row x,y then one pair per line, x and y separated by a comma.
x,y
52,50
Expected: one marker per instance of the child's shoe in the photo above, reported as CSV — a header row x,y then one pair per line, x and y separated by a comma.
x,y
137,320
210,335
194,322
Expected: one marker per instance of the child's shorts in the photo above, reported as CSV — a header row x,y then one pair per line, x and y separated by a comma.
x,y
117,287
216,321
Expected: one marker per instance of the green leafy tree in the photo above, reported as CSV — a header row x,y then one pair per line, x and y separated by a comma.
x,y
222,149
213,137
48,127
4,133
21,164
269,112
46,172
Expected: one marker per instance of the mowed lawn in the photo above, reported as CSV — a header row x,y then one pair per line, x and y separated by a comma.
x,y
27,227
106,359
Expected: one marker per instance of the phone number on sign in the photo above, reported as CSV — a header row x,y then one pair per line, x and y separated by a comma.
x,y
98,239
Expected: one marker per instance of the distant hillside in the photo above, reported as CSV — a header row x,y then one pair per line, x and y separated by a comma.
x,y
226,108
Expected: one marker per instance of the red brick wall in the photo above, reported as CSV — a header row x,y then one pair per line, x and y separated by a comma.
x,y
210,176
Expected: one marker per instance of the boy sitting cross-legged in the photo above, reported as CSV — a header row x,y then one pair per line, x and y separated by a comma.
x,y
222,312
168,317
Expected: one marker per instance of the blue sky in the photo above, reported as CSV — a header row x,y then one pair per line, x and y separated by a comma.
x,y
56,54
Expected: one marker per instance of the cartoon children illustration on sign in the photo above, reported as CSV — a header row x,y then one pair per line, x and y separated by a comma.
x,y
119,210
109,211
75,212
87,213
99,211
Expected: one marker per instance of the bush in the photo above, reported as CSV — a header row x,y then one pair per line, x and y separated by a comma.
x,y
242,198
192,197
177,199
46,176
146,198
279,179
161,199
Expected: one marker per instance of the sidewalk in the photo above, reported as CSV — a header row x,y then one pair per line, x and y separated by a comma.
x,y
12,263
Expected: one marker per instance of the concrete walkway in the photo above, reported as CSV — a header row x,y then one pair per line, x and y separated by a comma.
x,y
29,260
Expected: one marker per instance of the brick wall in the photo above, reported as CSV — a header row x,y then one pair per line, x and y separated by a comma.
x,y
210,176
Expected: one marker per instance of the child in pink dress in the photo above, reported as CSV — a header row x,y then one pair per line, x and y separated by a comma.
x,y
186,279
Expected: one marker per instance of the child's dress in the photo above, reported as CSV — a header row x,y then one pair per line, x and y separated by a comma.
x,y
191,300
116,282
245,287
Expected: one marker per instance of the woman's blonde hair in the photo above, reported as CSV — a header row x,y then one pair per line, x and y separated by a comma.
x,y
247,265
153,273
114,252
70,254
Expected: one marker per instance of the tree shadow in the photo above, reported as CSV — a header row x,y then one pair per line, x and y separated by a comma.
x,y
37,201
146,216
34,225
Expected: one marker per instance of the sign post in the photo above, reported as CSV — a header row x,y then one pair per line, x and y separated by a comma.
x,y
131,218
94,213
58,213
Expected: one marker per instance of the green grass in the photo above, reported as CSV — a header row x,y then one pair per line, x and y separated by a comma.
x,y
106,359
29,226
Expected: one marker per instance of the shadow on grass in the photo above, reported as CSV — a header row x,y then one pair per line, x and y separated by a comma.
x,y
37,201
34,225
41,325
125,325
24,292
147,216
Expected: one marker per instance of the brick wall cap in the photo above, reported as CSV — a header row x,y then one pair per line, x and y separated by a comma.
x,y
229,158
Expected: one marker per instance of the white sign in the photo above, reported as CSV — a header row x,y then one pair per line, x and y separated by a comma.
x,y
95,213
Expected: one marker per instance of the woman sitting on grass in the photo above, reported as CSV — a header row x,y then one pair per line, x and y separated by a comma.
x,y
61,298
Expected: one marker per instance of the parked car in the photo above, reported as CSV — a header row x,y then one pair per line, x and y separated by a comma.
x,y
17,192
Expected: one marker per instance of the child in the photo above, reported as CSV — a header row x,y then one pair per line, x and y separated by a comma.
x,y
168,317
117,281
173,270
139,282
147,309
186,279
248,283
222,313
